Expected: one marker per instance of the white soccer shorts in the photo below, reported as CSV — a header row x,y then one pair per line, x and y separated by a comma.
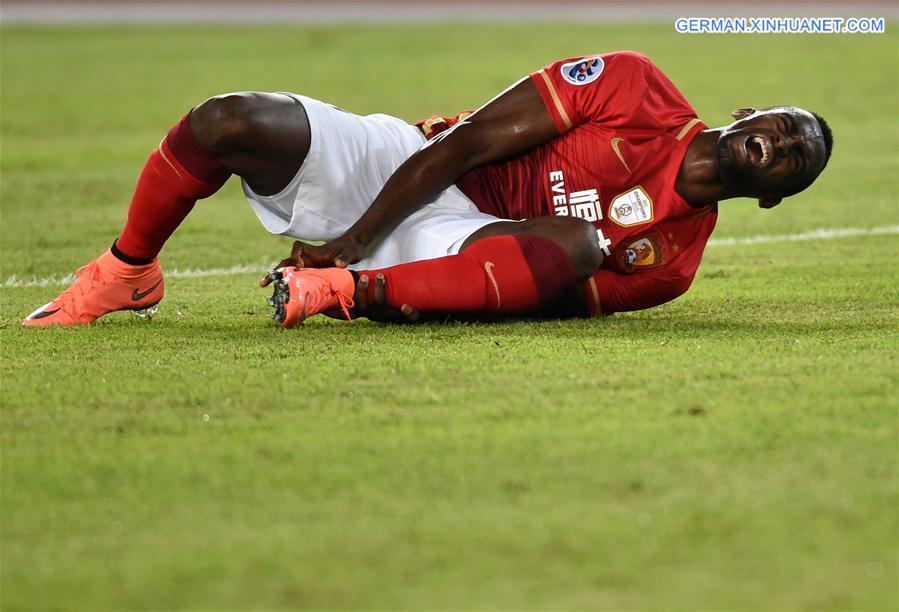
x,y
349,161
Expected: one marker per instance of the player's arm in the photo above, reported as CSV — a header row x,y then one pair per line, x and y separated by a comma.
x,y
512,123
608,292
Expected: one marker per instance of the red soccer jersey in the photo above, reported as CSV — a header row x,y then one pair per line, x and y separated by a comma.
x,y
623,132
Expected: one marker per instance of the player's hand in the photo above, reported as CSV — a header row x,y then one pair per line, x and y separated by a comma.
x,y
338,253
377,308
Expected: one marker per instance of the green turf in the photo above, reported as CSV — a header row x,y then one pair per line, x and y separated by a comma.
x,y
734,449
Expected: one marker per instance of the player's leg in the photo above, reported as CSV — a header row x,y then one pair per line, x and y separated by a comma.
x,y
261,137
504,268
576,237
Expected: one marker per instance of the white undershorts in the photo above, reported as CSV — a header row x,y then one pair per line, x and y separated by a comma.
x,y
349,161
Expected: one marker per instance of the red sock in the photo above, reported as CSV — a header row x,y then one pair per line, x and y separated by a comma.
x,y
177,174
503,274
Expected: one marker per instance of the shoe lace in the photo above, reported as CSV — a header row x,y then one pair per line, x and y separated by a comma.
x,y
344,306
327,293
86,277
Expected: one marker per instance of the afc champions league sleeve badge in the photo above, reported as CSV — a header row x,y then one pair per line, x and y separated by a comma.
x,y
633,207
583,71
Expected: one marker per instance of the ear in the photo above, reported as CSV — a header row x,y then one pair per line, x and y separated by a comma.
x,y
742,113
769,201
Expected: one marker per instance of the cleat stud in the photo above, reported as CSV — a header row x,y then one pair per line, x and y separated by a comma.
x,y
146,314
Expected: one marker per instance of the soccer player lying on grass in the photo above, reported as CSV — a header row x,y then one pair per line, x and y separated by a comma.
x,y
617,178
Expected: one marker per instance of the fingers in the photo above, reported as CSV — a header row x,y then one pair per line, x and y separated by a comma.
x,y
290,261
380,290
298,253
376,308
361,295
412,315
336,253
408,312
267,280
305,255
312,256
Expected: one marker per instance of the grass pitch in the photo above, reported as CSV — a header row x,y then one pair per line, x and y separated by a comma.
x,y
734,449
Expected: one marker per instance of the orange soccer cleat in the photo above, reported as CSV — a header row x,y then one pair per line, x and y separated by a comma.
x,y
303,292
103,286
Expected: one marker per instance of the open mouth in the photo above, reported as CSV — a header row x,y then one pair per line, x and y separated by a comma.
x,y
758,151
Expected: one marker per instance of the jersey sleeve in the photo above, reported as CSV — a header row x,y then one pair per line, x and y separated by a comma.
x,y
616,89
608,292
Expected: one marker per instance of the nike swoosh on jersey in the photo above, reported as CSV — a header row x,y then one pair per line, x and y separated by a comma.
x,y
139,295
615,148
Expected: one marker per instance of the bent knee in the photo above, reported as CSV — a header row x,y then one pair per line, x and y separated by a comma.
x,y
577,238
581,243
230,121
222,122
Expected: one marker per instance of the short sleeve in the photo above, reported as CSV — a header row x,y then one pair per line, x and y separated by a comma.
x,y
616,89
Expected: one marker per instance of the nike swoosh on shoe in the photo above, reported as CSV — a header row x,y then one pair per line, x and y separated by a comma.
x,y
42,314
139,295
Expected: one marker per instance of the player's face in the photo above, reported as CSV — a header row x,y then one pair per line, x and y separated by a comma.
x,y
773,152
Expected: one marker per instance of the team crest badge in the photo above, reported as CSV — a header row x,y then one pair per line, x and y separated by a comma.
x,y
641,253
631,208
583,71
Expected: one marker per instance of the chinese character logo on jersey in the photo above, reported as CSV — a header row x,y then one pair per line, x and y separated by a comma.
x,y
583,204
583,71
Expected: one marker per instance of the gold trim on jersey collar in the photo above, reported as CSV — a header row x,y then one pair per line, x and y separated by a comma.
x,y
683,131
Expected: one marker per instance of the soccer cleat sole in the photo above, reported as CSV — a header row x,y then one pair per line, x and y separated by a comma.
x,y
279,300
280,296
146,314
